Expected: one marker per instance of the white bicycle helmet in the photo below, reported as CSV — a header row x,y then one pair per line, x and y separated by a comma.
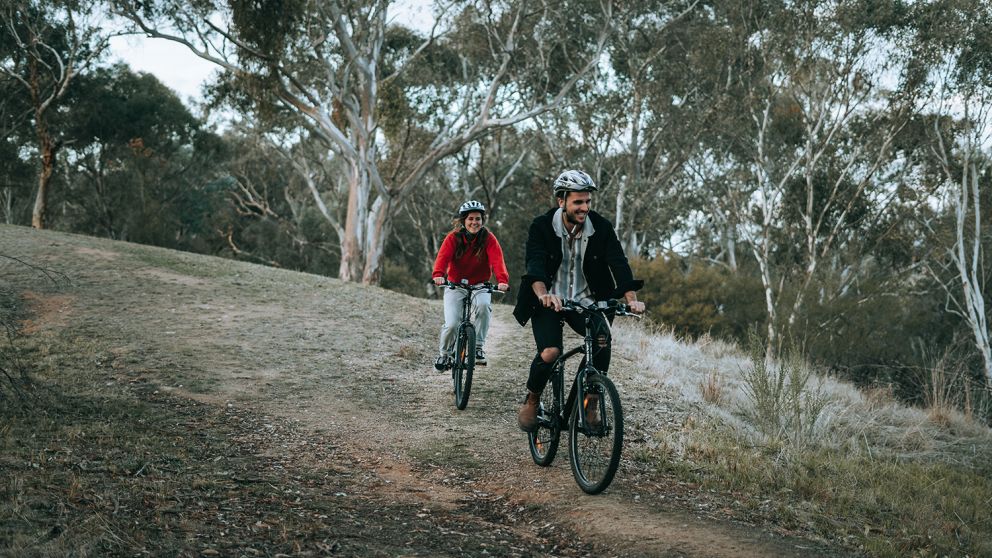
x,y
471,206
574,181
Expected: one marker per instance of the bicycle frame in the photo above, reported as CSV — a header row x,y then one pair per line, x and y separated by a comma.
x,y
562,407
592,467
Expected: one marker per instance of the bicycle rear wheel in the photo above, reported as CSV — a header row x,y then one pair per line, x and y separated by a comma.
x,y
464,365
544,441
595,448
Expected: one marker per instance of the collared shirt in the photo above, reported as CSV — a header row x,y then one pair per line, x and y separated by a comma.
x,y
570,283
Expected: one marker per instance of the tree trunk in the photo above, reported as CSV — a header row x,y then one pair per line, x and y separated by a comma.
x,y
624,230
48,152
761,255
353,247
967,262
380,222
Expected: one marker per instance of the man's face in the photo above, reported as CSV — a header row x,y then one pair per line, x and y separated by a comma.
x,y
473,222
576,205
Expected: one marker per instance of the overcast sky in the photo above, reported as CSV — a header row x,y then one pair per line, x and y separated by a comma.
x,y
173,64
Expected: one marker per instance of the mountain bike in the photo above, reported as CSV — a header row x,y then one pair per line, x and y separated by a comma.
x,y
464,363
594,445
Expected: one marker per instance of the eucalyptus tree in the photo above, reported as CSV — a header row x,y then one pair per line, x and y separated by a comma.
x,y
955,57
822,108
137,163
339,67
636,126
282,196
45,45
666,94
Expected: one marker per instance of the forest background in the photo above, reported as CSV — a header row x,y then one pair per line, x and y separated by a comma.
x,y
810,174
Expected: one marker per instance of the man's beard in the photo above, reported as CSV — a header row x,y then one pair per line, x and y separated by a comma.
x,y
570,220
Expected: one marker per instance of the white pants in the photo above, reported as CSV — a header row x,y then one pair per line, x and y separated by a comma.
x,y
481,311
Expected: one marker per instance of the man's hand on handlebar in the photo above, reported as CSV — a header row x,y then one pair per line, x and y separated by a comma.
x,y
551,301
635,306
439,281
502,287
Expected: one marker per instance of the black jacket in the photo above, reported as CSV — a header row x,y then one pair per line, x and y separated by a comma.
x,y
605,266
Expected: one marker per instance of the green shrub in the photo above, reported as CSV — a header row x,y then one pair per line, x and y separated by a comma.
x,y
697,298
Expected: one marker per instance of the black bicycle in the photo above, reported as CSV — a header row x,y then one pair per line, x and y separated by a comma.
x,y
596,426
464,362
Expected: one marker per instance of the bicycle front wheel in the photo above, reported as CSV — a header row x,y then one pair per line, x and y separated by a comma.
x,y
544,441
596,441
464,366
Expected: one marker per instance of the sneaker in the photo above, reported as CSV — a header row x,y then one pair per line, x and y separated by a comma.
x,y
480,357
442,363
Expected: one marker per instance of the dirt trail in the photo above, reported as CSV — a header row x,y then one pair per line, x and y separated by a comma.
x,y
354,363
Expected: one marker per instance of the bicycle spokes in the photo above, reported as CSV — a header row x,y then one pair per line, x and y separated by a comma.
x,y
596,435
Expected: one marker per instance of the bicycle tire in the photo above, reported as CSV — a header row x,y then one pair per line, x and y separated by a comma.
x,y
464,365
544,441
595,450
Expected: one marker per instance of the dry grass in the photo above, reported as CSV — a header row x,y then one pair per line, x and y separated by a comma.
x,y
711,388
112,467
854,467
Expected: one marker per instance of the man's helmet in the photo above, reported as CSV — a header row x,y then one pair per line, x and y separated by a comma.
x,y
574,181
471,206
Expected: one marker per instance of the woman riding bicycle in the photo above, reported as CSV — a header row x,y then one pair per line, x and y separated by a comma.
x,y
470,251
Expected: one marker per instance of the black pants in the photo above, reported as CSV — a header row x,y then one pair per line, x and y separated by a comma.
x,y
548,326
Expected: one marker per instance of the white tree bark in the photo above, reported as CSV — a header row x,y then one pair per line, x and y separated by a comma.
x,y
828,94
966,253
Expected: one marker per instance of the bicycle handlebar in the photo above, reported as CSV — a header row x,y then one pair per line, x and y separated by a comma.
x,y
619,308
487,286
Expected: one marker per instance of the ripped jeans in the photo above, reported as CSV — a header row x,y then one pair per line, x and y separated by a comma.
x,y
548,326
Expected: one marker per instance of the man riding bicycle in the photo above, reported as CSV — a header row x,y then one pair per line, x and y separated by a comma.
x,y
470,251
572,254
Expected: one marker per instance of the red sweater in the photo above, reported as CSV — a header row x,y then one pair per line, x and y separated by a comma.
x,y
476,270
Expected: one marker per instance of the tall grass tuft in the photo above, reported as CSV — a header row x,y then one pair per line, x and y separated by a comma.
x,y
948,390
711,388
782,401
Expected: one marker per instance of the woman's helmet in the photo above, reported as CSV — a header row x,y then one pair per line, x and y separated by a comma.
x,y
574,181
471,206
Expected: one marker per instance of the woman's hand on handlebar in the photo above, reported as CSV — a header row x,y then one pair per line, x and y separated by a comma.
x,y
503,287
439,281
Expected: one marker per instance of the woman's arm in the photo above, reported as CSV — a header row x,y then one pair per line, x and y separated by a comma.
x,y
444,256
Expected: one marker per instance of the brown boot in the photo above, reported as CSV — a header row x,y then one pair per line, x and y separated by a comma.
x,y
527,417
592,410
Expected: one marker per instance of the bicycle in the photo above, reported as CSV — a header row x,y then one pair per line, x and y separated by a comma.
x,y
594,446
464,363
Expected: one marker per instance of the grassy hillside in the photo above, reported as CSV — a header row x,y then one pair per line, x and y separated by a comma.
x,y
189,405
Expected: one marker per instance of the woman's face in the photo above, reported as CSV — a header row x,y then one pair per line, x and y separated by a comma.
x,y
473,222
